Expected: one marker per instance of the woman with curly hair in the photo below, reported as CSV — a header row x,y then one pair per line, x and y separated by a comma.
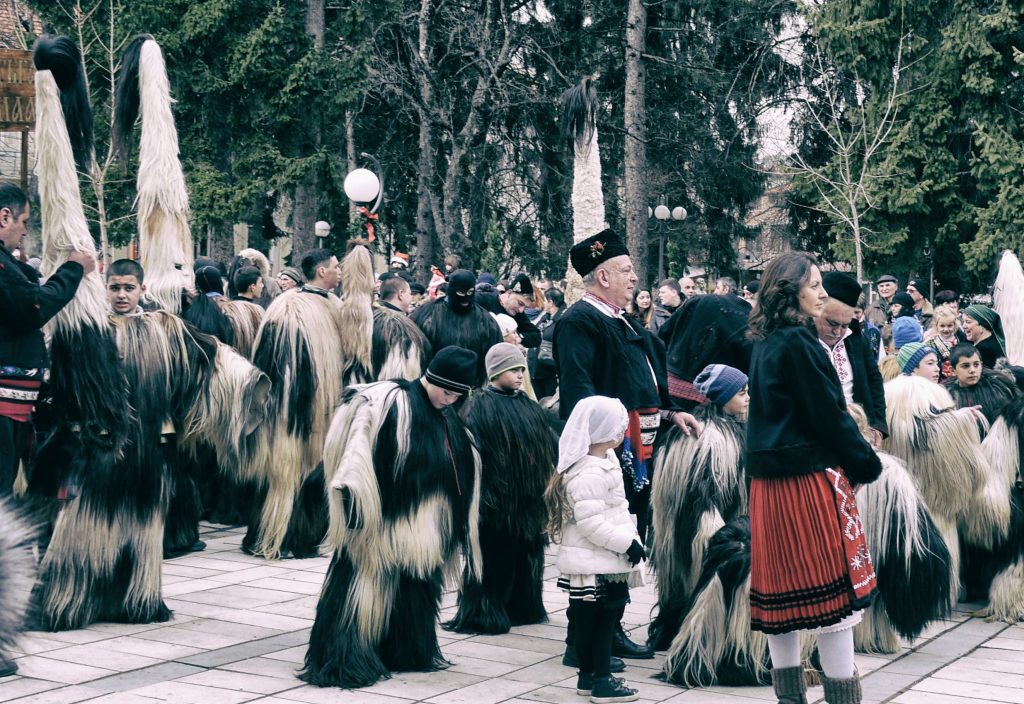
x,y
810,568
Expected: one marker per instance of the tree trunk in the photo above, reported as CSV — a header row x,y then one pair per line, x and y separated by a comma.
x,y
425,220
307,192
635,165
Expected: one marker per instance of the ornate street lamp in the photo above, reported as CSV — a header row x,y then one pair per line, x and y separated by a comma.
x,y
662,213
363,186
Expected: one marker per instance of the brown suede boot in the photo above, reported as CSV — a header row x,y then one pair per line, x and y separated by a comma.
x,y
789,685
842,691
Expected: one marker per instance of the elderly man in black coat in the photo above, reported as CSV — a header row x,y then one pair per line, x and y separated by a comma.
x,y
849,351
600,351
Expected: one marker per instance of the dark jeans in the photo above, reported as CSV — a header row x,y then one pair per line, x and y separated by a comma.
x,y
15,447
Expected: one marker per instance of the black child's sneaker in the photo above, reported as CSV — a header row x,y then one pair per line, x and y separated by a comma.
x,y
608,690
585,683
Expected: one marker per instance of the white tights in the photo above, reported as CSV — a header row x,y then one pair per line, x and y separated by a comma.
x,y
835,650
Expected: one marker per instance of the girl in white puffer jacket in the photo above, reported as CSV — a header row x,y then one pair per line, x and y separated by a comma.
x,y
600,548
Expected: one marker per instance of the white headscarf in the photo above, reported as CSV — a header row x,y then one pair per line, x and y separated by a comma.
x,y
594,420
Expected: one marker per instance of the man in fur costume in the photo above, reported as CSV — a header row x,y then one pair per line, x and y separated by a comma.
x,y
517,449
699,487
457,320
400,349
404,496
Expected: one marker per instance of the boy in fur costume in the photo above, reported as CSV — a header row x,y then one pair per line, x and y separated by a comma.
x,y
974,385
517,450
404,496
699,486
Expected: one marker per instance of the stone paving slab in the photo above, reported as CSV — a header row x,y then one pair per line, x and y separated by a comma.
x,y
241,625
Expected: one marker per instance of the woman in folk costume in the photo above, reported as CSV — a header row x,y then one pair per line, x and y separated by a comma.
x,y
699,485
517,449
404,493
810,567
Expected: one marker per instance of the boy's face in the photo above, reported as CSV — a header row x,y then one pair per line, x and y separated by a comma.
x,y
124,293
512,380
968,370
929,368
738,404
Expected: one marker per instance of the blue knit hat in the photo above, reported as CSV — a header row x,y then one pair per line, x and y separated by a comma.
x,y
906,330
720,382
911,355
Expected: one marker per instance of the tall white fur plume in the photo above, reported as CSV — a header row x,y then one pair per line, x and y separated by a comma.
x,y
356,313
64,229
1008,301
165,239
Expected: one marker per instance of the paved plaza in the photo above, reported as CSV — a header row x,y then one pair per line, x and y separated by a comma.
x,y
241,624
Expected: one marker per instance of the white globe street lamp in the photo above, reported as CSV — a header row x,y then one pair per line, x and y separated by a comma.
x,y
363,186
662,213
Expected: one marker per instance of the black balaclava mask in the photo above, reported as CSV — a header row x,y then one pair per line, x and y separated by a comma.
x,y
461,291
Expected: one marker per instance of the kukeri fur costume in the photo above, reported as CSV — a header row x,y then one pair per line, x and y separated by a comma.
x,y
941,446
165,239
404,496
474,330
994,389
104,559
699,486
297,348
911,561
17,572
400,349
999,570
1008,302
518,450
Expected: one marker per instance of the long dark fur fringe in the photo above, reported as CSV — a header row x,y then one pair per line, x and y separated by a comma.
x,y
308,525
61,57
476,330
127,98
579,113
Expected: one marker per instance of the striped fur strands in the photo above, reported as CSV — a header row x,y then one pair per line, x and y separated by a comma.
x,y
714,645
297,348
518,451
17,572
998,570
245,319
356,313
400,349
104,558
165,239
698,486
940,445
397,519
91,395
1008,302
916,583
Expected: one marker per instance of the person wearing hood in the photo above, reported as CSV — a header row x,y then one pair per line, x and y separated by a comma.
x,y
456,319
984,329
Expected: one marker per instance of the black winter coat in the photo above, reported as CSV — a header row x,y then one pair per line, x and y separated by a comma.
x,y
797,423
25,307
868,388
598,355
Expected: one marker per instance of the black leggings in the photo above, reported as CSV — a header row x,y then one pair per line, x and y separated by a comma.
x,y
595,625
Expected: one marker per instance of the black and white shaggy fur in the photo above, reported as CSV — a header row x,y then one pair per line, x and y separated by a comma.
x,y
297,348
998,569
911,561
475,330
517,449
698,486
404,495
17,572
104,558
400,349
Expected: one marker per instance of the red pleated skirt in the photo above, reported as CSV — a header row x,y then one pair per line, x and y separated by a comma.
x,y
809,561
